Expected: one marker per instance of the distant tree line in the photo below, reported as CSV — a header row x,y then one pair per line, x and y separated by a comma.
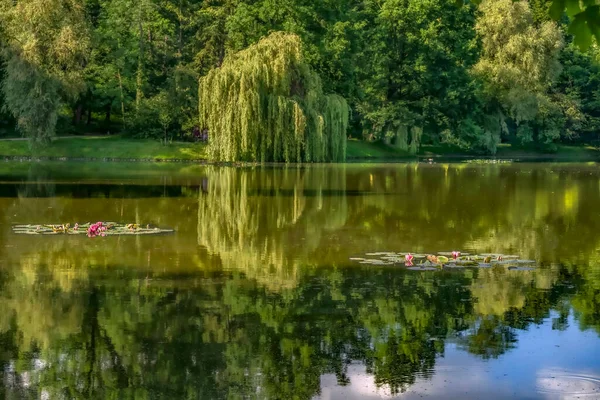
x,y
411,71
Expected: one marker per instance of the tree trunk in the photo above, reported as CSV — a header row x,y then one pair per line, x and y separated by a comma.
x,y
89,116
180,31
77,115
108,109
164,66
122,97
140,67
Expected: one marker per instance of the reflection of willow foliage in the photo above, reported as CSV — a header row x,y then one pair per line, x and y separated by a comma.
x,y
266,104
266,222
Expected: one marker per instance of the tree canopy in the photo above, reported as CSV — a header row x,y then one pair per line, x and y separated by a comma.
x,y
266,104
411,72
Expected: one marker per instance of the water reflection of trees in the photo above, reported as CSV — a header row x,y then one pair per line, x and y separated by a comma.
x,y
267,323
219,336
266,222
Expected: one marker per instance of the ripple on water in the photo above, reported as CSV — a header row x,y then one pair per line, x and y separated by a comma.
x,y
568,385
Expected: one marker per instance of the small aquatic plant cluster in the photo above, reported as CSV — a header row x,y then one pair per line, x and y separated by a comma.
x,y
489,161
99,228
453,259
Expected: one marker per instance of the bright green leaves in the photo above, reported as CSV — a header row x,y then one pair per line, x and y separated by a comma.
x,y
584,16
265,104
557,8
518,64
586,25
45,50
584,22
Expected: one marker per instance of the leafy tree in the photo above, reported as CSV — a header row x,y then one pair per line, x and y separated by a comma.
x,y
266,104
45,55
519,62
416,80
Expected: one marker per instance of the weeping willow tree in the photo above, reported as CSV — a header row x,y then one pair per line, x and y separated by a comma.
x,y
268,224
266,104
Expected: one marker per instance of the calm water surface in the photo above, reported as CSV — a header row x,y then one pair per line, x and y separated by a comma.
x,y
254,295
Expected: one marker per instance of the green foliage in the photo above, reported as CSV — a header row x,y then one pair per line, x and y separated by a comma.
x,y
416,81
584,21
412,72
266,104
584,17
518,64
108,147
44,54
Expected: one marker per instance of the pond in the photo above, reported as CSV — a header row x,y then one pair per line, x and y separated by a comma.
x,y
254,293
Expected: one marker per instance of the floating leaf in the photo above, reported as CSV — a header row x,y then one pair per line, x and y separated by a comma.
x,y
421,268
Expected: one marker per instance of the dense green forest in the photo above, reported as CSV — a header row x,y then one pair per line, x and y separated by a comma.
x,y
410,72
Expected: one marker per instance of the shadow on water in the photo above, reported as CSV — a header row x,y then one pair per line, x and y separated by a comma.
x,y
254,296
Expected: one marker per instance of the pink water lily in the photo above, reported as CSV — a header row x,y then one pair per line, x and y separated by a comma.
x,y
455,254
96,229
409,257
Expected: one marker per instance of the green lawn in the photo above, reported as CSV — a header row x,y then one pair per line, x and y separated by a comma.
x,y
505,151
360,150
106,147
116,147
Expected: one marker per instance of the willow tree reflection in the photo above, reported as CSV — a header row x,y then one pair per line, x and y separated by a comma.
x,y
268,222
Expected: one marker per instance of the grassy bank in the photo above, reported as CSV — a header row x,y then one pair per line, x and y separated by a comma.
x,y
112,147
378,151
118,148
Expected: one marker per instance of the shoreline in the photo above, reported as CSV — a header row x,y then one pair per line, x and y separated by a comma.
x,y
355,160
117,149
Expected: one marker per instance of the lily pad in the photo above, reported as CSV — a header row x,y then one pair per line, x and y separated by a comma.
x,y
521,268
419,255
421,269
375,262
454,265
424,262
466,263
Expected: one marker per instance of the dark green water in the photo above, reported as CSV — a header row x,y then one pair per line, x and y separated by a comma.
x,y
254,295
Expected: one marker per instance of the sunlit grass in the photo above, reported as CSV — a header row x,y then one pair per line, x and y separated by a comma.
x,y
106,147
116,147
